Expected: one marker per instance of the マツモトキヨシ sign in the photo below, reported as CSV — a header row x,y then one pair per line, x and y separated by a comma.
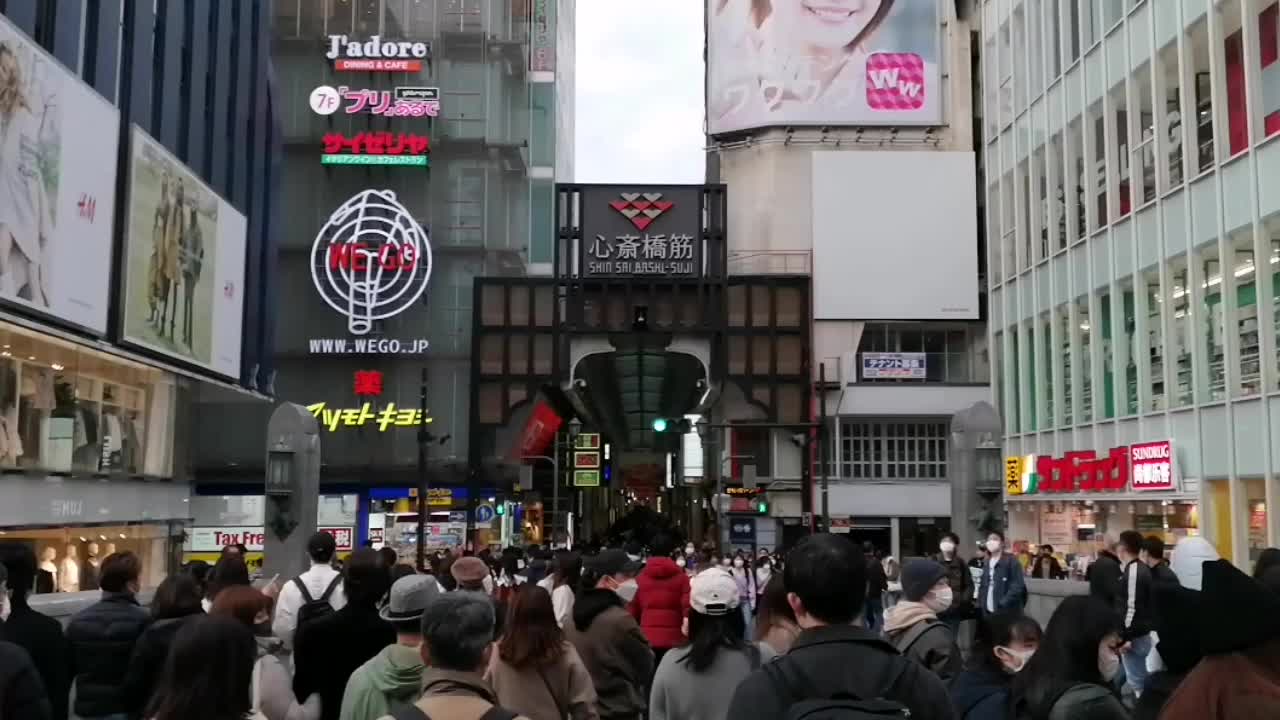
x,y
376,54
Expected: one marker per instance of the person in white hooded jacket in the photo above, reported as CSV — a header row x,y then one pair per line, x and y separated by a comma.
x,y
1187,562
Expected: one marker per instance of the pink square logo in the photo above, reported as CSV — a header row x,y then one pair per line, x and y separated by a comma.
x,y
895,81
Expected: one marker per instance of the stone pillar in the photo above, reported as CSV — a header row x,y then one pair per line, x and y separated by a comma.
x,y
974,431
292,490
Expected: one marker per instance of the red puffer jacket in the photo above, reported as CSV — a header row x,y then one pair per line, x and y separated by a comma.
x,y
662,602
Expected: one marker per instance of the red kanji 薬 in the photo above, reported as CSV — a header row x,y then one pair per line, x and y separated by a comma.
x,y
368,383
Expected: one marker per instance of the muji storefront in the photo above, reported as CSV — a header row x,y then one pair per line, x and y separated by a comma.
x,y
1075,500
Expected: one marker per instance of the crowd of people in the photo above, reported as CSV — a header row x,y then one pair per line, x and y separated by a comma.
x,y
661,630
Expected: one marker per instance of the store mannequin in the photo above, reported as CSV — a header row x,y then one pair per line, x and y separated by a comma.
x,y
69,571
111,549
47,575
89,573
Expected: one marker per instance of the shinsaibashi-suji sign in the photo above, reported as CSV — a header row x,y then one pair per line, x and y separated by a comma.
x,y
376,54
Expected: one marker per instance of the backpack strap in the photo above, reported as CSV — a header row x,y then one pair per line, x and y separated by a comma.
x,y
409,712
302,587
496,713
333,584
918,631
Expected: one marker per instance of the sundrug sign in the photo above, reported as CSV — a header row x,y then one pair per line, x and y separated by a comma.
x,y
371,261
1142,467
376,54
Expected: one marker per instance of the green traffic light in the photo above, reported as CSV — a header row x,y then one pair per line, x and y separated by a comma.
x,y
659,424
502,509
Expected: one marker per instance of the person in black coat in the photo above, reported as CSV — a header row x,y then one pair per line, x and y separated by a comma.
x,y
1104,578
1004,644
102,636
327,650
176,603
40,635
22,695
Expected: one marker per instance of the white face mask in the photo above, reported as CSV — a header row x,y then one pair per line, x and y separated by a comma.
x,y
938,599
737,562
627,590
1017,659
680,562
993,546
487,583
688,549
1108,662
725,562
947,546
4,605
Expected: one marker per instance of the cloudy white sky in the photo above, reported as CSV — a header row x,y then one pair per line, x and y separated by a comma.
x,y
639,96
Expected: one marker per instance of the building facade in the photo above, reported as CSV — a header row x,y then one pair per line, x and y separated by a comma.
x,y
137,228
865,184
1134,318
458,115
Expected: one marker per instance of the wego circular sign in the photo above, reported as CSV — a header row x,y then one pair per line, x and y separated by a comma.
x,y
371,260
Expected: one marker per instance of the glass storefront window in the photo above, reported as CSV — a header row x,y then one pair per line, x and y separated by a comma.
x,y
69,559
66,408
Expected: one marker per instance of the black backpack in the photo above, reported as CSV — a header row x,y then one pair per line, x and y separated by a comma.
x,y
806,703
313,608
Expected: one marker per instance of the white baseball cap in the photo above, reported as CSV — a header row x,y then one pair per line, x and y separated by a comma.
x,y
713,592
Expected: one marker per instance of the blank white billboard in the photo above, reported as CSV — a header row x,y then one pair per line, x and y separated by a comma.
x,y
895,236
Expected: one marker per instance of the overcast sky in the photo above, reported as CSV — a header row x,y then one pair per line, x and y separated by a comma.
x,y
639,96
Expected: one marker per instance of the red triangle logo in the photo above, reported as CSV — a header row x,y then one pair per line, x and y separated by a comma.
x,y
640,204
618,205
641,222
663,205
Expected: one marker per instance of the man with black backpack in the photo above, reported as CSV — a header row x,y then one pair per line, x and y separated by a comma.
x,y
836,669
311,595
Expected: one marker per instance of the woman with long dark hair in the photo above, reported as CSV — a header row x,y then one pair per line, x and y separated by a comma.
x,y
776,626
697,681
175,604
229,571
535,671
1005,642
1071,673
208,673
564,585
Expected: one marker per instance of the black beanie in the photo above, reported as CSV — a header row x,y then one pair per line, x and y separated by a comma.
x,y
1239,613
919,576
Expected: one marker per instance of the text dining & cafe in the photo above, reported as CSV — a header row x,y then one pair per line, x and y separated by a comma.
x,y
1142,471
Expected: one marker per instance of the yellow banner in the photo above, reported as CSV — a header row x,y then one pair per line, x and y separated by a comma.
x,y
1013,475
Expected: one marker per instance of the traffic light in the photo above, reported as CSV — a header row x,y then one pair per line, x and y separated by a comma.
x,y
762,506
672,425
501,509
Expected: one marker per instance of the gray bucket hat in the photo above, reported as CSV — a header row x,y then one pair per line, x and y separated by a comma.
x,y
409,598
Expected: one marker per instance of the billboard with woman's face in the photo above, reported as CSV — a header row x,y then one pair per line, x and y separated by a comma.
x,y
58,142
822,63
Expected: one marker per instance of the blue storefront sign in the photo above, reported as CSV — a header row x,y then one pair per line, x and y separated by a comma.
x,y
893,366
742,531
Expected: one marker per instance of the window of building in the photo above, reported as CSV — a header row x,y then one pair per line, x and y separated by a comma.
x,y
1076,205
1126,350
1015,418
1025,232
1097,177
1085,332
1119,114
1269,62
751,445
1150,350
1045,370
1027,378
1212,321
950,354
1179,346
466,196
997,360
339,18
1171,116
1142,171
1035,31
1007,108
1107,348
1204,102
1053,38
1039,218
991,89
1008,226
1089,19
1112,13
1246,311
894,449
1054,214
1272,309
1069,375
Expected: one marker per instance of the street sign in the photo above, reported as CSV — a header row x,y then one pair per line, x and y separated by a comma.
x,y
484,514
742,530
587,441
586,459
586,478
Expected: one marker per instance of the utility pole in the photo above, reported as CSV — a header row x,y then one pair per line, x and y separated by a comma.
x,y
823,445
555,487
424,486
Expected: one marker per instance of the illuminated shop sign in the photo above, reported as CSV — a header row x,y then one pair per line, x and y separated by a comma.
x,y
1141,467
376,54
213,539
385,418
370,261
655,230
401,102
376,148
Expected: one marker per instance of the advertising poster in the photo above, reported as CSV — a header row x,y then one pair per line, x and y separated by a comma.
x,y
184,265
834,62
57,186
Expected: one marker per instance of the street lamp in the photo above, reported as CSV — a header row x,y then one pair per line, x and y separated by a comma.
x,y
575,427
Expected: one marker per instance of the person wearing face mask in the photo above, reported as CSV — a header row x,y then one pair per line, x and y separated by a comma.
x,y
1002,648
607,637
747,591
662,600
271,693
22,694
40,635
1071,674
764,572
101,639
959,579
912,624
1002,586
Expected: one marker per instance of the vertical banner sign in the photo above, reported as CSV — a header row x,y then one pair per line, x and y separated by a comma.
x,y
646,231
542,47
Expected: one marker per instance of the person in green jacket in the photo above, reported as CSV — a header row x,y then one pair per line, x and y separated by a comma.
x,y
393,677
